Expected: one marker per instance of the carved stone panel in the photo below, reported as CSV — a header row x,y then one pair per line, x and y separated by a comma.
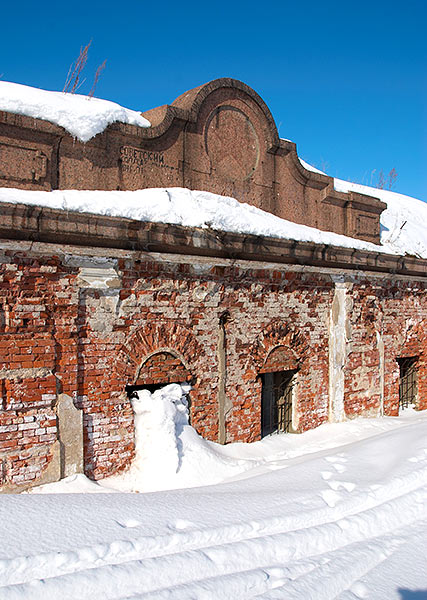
x,y
21,164
231,143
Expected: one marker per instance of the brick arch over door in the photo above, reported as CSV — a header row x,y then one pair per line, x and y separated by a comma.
x,y
414,343
283,346
280,342
163,366
154,338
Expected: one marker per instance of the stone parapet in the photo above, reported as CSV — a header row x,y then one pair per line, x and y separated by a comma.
x,y
219,137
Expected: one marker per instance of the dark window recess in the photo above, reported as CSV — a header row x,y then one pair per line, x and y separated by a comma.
x,y
276,402
408,381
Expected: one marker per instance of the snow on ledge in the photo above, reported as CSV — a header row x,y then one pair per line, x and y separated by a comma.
x,y
180,206
83,117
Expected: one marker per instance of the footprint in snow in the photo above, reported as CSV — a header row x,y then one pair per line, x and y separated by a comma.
x,y
339,467
129,523
337,458
347,485
359,589
181,524
418,457
330,497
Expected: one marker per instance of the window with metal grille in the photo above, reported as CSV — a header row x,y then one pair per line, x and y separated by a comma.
x,y
408,381
276,402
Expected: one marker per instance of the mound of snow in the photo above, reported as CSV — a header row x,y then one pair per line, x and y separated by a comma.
x,y
342,516
83,117
169,453
403,223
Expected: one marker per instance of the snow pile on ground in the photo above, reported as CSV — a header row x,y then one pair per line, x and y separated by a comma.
x,y
169,453
83,117
191,208
328,515
403,222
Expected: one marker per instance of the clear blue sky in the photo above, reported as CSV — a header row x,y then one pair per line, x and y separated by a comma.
x,y
346,81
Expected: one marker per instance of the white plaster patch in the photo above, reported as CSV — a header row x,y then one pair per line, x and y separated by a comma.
x,y
104,277
339,333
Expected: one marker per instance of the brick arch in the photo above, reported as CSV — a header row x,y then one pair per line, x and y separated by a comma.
x,y
166,350
162,367
279,342
412,342
281,346
415,342
157,337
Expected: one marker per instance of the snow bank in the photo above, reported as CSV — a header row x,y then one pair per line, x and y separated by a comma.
x,y
83,117
169,453
403,223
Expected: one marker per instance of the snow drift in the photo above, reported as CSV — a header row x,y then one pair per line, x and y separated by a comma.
x,y
169,453
337,513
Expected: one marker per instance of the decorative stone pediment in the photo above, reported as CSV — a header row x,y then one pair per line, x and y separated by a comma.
x,y
219,137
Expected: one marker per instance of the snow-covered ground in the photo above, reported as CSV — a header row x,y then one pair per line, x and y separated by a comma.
x,y
81,116
337,512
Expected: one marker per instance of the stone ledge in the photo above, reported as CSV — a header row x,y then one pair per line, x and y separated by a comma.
x,y
42,224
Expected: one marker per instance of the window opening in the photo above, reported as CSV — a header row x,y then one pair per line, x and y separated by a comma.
x,y
276,402
408,381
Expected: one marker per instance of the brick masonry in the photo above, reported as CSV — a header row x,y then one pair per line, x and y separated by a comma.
x,y
154,318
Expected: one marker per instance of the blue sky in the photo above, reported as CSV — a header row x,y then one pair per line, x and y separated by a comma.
x,y
346,81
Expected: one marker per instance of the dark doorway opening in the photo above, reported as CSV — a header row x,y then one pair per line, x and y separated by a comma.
x,y
151,387
276,402
408,381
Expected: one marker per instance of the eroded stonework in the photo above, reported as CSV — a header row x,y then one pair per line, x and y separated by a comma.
x,y
92,307
219,137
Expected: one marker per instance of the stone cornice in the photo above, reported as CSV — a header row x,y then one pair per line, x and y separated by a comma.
x,y
41,224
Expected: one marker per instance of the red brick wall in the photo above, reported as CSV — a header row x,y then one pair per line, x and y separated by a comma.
x,y
60,335
393,311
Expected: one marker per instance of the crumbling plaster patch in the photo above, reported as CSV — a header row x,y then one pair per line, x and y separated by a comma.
x,y
339,346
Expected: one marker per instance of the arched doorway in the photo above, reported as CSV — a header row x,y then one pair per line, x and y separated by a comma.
x,y
279,377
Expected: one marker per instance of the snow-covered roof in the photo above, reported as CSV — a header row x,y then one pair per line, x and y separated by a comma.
x,y
403,228
402,223
83,117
